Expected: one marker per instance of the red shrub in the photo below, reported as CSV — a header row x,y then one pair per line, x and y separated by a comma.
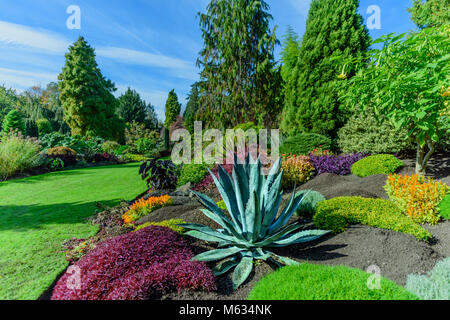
x,y
136,266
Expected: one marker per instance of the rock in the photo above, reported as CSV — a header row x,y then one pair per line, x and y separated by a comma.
x,y
184,191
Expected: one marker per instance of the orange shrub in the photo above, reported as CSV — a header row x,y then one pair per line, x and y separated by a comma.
x,y
296,168
143,207
417,196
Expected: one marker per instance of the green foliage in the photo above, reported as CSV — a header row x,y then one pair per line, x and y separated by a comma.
x,y
12,122
396,82
192,107
8,100
319,282
435,286
146,146
444,207
193,173
131,107
303,144
363,132
289,55
378,164
135,131
334,30
310,202
172,224
31,128
430,13
173,108
44,126
18,154
87,97
336,214
221,204
240,80
252,201
110,147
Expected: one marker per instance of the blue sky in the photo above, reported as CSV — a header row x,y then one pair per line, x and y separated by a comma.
x,y
149,45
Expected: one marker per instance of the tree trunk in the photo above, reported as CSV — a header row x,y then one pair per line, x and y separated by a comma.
x,y
423,157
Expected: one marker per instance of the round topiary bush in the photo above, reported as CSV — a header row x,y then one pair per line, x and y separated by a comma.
x,y
378,164
135,266
304,143
309,204
318,282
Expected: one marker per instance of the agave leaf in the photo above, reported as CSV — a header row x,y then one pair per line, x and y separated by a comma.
x,y
223,221
225,266
210,232
288,212
260,254
203,236
276,236
300,237
242,271
253,217
218,254
255,176
273,198
241,197
284,260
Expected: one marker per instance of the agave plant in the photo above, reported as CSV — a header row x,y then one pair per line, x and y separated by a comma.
x,y
253,225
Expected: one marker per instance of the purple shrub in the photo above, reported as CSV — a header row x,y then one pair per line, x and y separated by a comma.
x,y
105,157
207,184
340,165
136,266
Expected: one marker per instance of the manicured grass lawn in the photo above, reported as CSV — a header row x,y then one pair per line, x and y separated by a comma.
x,y
38,213
445,207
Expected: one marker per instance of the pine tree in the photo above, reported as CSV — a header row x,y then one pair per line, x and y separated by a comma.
x,y
87,97
430,13
173,109
333,29
192,107
289,54
240,80
151,119
13,121
132,107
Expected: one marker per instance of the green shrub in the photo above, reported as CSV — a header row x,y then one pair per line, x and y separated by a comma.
x,y
363,133
378,164
193,173
172,224
319,282
44,127
18,154
145,146
435,286
110,147
309,205
336,214
31,129
13,121
304,143
444,207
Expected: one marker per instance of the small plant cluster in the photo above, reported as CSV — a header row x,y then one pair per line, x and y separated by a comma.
x,y
105,157
303,144
319,282
377,164
310,202
77,248
417,196
208,183
142,207
193,173
136,266
172,224
296,169
159,174
67,155
435,285
336,214
340,165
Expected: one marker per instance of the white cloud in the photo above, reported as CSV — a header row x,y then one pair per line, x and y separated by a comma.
x,y
20,35
302,6
24,79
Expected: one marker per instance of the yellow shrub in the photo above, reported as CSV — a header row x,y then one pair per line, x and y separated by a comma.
x,y
61,151
143,207
172,224
417,196
296,168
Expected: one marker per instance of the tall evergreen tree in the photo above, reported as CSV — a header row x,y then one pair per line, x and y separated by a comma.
x,y
13,121
151,119
289,54
192,107
173,109
333,29
240,78
132,107
430,13
87,96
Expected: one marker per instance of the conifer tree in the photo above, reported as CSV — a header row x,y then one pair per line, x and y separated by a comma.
x,y
13,121
334,30
191,107
87,96
430,13
132,107
173,109
240,80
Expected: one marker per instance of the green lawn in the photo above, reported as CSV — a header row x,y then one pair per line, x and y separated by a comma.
x,y
38,213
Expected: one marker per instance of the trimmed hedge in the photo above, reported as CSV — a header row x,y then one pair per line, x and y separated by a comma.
x,y
136,266
309,204
304,143
338,213
378,164
319,282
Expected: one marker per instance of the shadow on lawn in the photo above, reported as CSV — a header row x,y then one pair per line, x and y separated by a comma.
x,y
34,217
43,177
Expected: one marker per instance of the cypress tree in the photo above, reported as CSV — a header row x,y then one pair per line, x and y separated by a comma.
x,y
13,121
192,107
240,80
173,109
87,96
334,29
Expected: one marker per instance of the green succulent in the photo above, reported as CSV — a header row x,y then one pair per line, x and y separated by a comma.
x,y
252,201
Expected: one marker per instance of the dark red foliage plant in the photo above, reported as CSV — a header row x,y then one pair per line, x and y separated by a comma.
x,y
135,266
